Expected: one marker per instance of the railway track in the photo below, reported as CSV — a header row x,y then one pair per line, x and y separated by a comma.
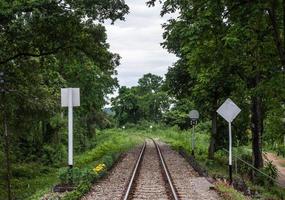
x,y
150,178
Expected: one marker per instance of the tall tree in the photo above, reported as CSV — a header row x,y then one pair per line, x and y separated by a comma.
x,y
231,39
46,45
147,101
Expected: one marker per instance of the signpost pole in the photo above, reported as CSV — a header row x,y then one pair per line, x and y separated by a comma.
x,y
194,116
230,154
70,129
229,111
193,138
284,147
70,97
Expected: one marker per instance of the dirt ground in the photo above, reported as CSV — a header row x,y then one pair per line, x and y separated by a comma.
x,y
280,164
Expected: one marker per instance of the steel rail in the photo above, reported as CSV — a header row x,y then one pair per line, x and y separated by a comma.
x,y
134,173
167,174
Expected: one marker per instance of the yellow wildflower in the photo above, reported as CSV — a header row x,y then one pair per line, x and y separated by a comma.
x,y
99,168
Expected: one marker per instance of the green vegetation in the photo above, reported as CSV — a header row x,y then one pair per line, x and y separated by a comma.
x,y
45,46
217,167
228,193
224,48
229,49
32,181
145,102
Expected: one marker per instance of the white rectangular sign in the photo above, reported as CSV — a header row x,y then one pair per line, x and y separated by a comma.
x,y
70,97
65,96
229,110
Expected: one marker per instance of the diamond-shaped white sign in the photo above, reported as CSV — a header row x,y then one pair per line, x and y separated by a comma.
x,y
229,110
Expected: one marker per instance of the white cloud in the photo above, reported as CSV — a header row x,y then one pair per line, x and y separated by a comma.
x,y
137,40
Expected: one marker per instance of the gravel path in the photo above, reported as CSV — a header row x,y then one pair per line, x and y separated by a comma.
x,y
112,187
185,179
150,183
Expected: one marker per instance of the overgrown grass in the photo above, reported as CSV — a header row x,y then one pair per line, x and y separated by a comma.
x,y
32,180
28,178
109,142
228,192
217,167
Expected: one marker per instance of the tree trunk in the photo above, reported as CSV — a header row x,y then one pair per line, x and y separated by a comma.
x,y
276,32
257,130
7,154
212,146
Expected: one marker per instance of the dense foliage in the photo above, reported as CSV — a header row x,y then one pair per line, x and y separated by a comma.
x,y
230,49
147,101
225,49
47,45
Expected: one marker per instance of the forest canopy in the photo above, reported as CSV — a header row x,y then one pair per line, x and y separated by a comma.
x,y
47,45
230,49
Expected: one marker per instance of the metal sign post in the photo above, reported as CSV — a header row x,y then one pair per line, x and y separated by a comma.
x,y
194,116
229,110
70,97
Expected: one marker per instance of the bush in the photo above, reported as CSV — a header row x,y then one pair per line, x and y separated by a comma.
x,y
280,150
270,170
88,175
70,176
108,160
23,171
203,127
243,168
228,192
82,189
29,170
53,154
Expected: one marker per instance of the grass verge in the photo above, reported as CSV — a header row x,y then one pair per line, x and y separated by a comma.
x,y
229,193
34,180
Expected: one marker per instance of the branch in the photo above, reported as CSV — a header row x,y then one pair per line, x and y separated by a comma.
x,y
276,36
235,7
237,71
28,54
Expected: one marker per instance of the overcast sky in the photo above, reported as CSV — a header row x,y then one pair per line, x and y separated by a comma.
x,y
137,40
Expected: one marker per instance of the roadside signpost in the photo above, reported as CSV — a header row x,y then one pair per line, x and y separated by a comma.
x,y
194,116
70,97
229,110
